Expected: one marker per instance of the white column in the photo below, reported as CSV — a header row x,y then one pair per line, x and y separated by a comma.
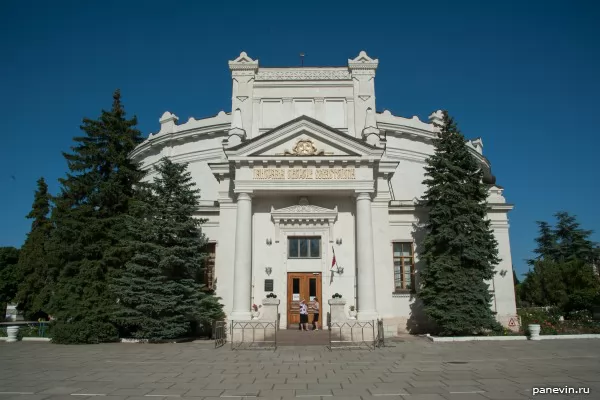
x,y
242,264
367,310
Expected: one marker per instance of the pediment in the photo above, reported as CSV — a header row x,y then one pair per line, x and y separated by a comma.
x,y
304,138
303,211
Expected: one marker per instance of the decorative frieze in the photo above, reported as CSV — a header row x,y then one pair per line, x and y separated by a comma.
x,y
305,74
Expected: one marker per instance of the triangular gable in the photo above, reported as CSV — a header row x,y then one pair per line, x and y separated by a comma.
x,y
304,137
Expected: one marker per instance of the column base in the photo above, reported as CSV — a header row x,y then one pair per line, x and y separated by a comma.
x,y
240,316
367,316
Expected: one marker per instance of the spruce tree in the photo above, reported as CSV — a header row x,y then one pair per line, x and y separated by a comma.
x,y
9,257
160,291
90,223
36,278
460,251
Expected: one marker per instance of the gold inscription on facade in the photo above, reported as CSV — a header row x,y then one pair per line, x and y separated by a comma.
x,y
269,173
304,173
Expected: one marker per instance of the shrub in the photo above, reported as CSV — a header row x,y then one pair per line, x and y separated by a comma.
x,y
83,332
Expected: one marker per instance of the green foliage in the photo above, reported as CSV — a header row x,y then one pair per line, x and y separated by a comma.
x,y
89,221
562,273
577,322
566,241
9,257
459,249
515,279
36,276
159,290
83,332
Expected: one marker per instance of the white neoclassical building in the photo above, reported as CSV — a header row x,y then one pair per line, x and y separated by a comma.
x,y
302,168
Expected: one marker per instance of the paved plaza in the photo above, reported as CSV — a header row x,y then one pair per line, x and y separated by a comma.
x,y
414,369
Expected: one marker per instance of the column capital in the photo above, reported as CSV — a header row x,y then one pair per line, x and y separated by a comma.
x,y
245,196
363,196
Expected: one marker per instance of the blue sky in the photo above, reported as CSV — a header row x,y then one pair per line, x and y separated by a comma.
x,y
521,76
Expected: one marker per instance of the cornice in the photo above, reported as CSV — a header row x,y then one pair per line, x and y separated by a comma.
x,y
213,154
157,141
410,205
412,155
367,186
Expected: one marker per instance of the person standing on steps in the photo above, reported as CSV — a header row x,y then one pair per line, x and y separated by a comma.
x,y
316,308
303,316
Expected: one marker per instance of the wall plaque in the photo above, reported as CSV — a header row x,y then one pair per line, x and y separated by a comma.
x,y
268,285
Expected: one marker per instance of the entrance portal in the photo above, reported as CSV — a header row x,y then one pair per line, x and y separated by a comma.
x,y
307,286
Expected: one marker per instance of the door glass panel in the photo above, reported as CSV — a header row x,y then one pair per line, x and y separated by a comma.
x,y
312,288
303,248
296,289
293,247
315,247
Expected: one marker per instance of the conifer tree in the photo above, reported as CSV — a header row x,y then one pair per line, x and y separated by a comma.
x,y
160,291
460,251
564,271
546,243
36,278
9,257
90,223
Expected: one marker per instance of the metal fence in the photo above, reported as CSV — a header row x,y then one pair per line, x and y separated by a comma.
x,y
259,335
352,335
33,329
220,333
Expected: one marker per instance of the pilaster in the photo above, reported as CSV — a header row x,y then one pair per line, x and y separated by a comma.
x,y
362,69
243,72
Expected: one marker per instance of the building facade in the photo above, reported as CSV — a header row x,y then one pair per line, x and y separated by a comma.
x,y
304,170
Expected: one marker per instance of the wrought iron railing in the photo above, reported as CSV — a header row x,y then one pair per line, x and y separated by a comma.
x,y
28,329
261,335
352,335
220,333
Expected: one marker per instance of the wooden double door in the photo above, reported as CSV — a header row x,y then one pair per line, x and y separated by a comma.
x,y
307,286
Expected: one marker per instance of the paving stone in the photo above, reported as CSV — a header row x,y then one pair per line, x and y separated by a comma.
x,y
278,386
168,392
314,392
465,396
400,391
506,395
461,382
60,390
129,392
430,383
240,393
276,393
502,370
200,393
324,385
427,390
350,392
